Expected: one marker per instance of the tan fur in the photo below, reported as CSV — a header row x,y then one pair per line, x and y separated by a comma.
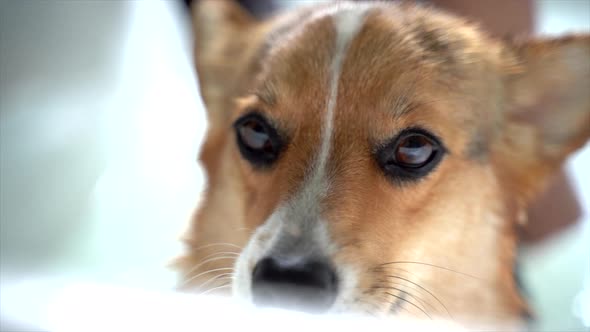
x,y
509,113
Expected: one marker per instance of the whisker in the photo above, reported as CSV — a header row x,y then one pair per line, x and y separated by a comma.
x,y
217,244
409,302
211,258
222,253
399,307
432,265
222,276
380,267
397,268
415,297
227,253
206,272
228,284
421,288
386,300
424,289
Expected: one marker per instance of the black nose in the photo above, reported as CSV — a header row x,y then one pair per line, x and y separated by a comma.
x,y
308,286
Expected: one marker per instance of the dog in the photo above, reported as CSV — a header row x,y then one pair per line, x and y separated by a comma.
x,y
375,157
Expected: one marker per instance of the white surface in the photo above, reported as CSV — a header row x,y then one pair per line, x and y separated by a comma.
x,y
73,307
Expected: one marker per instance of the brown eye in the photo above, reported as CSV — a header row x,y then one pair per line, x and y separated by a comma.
x,y
414,150
258,141
411,155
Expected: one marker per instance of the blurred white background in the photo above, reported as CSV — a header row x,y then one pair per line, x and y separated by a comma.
x,y
100,124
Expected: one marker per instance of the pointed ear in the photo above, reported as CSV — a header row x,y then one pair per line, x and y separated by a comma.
x,y
225,36
548,106
551,93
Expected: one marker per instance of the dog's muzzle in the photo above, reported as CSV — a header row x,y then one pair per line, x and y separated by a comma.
x,y
308,285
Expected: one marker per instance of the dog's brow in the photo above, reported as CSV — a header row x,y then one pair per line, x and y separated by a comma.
x,y
266,93
403,101
403,105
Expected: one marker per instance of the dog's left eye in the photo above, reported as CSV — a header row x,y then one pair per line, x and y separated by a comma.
x,y
258,141
414,150
411,155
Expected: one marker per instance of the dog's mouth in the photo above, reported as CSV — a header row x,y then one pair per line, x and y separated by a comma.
x,y
311,286
317,285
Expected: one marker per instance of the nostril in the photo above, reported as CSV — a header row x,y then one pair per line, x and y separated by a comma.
x,y
313,274
309,285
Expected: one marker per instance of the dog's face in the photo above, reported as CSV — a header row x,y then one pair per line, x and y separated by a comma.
x,y
376,157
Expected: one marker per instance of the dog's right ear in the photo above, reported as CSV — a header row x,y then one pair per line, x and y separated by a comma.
x,y
225,40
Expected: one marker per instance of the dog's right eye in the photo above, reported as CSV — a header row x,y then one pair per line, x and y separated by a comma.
x,y
258,141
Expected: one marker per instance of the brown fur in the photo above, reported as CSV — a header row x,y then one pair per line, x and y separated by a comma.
x,y
508,112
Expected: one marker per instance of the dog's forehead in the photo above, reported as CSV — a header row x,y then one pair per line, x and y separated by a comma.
x,y
389,60
392,40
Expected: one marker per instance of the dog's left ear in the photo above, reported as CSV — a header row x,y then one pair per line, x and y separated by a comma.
x,y
226,38
548,108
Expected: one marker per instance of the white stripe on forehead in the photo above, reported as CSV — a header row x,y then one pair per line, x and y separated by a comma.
x,y
296,227
303,231
303,212
347,22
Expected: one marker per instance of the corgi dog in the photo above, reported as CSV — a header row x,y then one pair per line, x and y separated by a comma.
x,y
375,157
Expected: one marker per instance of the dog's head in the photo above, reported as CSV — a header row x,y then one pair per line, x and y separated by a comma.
x,y
376,157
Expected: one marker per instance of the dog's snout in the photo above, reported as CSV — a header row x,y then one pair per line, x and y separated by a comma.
x,y
309,285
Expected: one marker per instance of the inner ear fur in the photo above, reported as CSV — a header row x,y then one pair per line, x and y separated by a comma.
x,y
547,109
